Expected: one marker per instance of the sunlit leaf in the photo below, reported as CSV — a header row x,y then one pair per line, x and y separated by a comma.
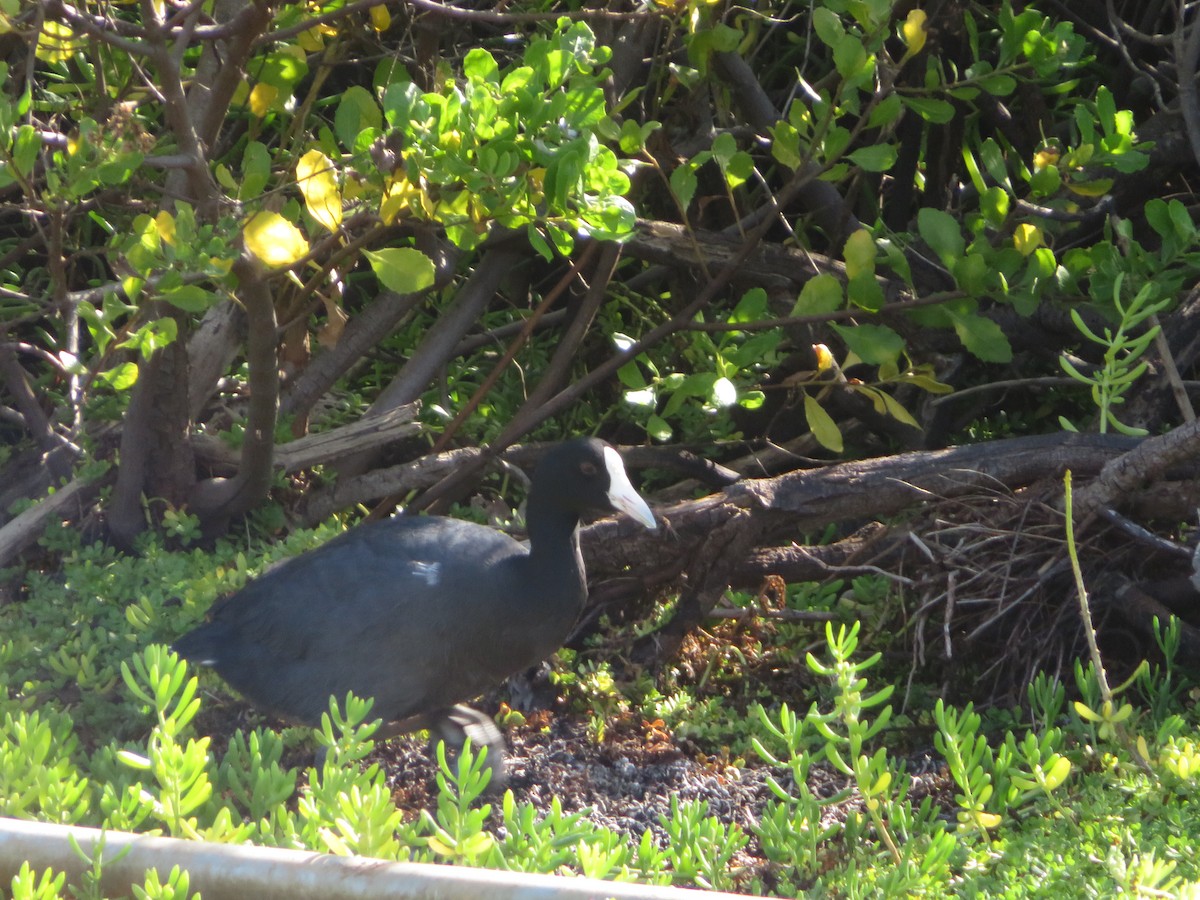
x,y
166,227
1027,238
402,269
317,180
274,240
820,294
724,392
56,42
658,429
120,377
859,253
262,98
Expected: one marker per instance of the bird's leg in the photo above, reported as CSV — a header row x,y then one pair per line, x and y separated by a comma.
x,y
457,723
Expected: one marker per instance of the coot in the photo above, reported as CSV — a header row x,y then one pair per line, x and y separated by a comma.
x,y
420,613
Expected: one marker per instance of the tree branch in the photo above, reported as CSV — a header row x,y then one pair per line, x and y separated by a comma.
x,y
218,499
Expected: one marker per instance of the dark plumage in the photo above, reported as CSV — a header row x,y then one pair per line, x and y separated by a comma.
x,y
421,613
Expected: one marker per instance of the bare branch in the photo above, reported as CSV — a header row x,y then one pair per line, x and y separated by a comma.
x,y
219,499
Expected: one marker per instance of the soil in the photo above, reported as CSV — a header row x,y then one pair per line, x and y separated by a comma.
x,y
626,782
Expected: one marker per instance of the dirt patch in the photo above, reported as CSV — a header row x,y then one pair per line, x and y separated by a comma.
x,y
625,782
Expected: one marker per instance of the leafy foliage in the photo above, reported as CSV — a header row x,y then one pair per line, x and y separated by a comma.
x,y
828,216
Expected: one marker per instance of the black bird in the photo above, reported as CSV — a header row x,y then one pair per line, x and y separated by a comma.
x,y
421,613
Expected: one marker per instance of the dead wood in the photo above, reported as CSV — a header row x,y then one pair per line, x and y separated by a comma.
x,y
23,530
1143,465
367,433
755,528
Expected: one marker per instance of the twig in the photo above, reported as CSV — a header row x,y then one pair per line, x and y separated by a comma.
x,y
23,531
1178,391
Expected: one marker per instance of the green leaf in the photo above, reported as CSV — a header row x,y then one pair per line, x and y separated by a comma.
x,y
971,273
937,111
865,292
886,111
941,231
821,424
190,298
356,112
631,376
859,253
981,336
480,65
658,429
752,399
999,85
850,56
896,410
993,202
751,308
119,169
401,269
785,144
538,241
724,145
25,149
828,26
683,186
256,170
877,158
612,221
820,294
739,169
873,344
121,377
994,161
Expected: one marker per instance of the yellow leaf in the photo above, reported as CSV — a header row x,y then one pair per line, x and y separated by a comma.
x,y
399,196
274,240
262,97
56,42
312,40
1027,238
166,227
1047,156
317,181
914,33
985,819
381,19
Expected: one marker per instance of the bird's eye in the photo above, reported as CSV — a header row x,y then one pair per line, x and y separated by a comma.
x,y
588,468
